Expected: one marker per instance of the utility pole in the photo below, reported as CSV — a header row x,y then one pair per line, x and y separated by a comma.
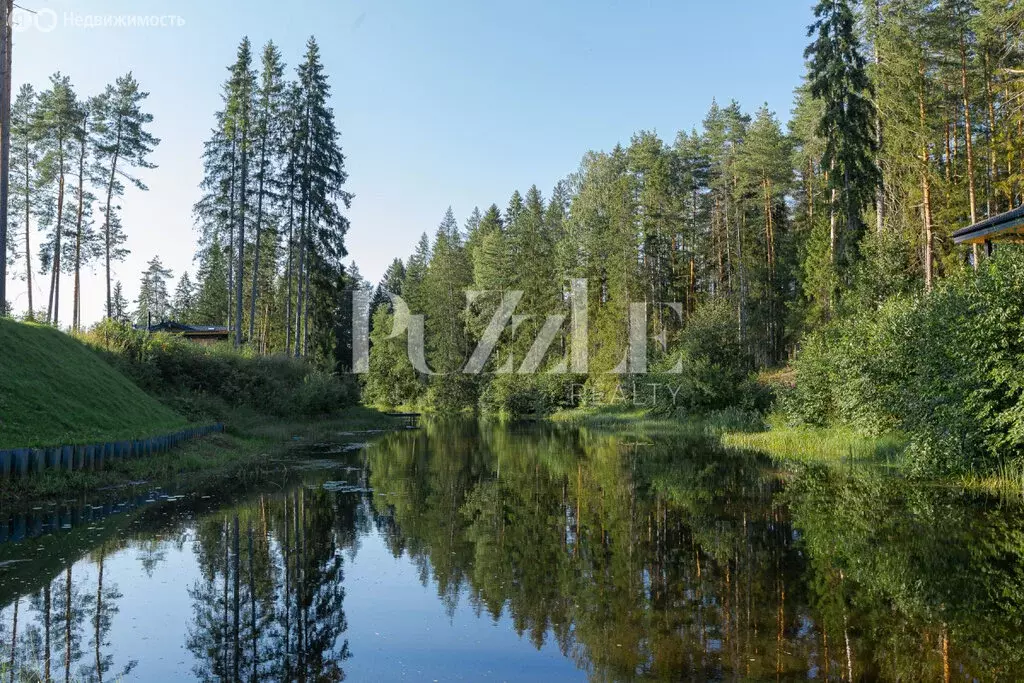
x,y
6,12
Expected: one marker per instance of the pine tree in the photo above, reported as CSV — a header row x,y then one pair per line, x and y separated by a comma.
x,y
57,125
85,244
24,163
122,143
415,272
765,173
214,213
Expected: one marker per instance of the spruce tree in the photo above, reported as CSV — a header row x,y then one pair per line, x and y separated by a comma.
x,y
239,130
393,282
320,171
154,303
183,304
838,77
269,146
448,275
120,311
212,296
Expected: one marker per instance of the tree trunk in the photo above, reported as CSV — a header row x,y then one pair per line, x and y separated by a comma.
x,y
967,130
76,322
926,199
305,317
6,47
14,636
67,628
833,237
993,170
258,228
879,137
242,200
236,658
99,619
28,226
47,616
301,292
58,244
231,235
108,210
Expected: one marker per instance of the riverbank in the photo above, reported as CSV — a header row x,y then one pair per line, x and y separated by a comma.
x,y
254,447
743,430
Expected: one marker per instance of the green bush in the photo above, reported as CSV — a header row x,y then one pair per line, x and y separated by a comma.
x,y
203,380
946,368
515,396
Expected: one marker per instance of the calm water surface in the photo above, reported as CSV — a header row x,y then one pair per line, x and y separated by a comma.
x,y
475,552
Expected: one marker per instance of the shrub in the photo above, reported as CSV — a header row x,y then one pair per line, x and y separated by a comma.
x,y
203,380
946,368
517,396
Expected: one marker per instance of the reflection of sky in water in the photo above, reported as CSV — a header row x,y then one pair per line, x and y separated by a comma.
x,y
398,629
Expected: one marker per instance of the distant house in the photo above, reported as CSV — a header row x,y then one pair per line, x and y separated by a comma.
x,y
1006,227
200,334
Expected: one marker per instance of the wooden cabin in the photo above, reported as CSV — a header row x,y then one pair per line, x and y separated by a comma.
x,y
1006,227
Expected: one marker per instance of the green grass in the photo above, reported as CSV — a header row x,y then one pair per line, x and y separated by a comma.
x,y
1006,481
817,445
742,430
54,390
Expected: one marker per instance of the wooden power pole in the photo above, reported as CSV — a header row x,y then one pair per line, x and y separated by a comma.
x,y
6,12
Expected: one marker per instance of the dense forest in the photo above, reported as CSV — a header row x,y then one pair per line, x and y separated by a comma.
x,y
906,128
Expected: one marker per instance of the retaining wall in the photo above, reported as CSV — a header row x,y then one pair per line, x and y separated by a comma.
x,y
22,462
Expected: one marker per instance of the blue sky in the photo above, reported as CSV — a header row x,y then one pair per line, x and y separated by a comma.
x,y
439,103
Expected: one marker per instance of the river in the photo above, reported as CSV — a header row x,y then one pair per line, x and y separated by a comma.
x,y
470,551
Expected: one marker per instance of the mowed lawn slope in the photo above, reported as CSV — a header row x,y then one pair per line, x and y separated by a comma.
x,y
54,390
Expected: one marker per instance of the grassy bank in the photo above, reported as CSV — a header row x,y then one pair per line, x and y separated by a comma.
x,y
253,449
54,390
742,430
818,445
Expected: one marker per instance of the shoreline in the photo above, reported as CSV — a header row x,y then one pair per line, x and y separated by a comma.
x,y
246,451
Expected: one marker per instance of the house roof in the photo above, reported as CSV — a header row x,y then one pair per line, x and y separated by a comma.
x,y
1009,224
191,330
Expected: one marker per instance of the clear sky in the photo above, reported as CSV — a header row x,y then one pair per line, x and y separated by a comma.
x,y
439,103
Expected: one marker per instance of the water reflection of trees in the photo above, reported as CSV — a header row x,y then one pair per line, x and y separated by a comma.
x,y
927,582
672,560
60,632
641,566
269,604
659,561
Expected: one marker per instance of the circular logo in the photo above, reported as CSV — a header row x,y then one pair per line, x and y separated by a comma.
x,y
46,20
